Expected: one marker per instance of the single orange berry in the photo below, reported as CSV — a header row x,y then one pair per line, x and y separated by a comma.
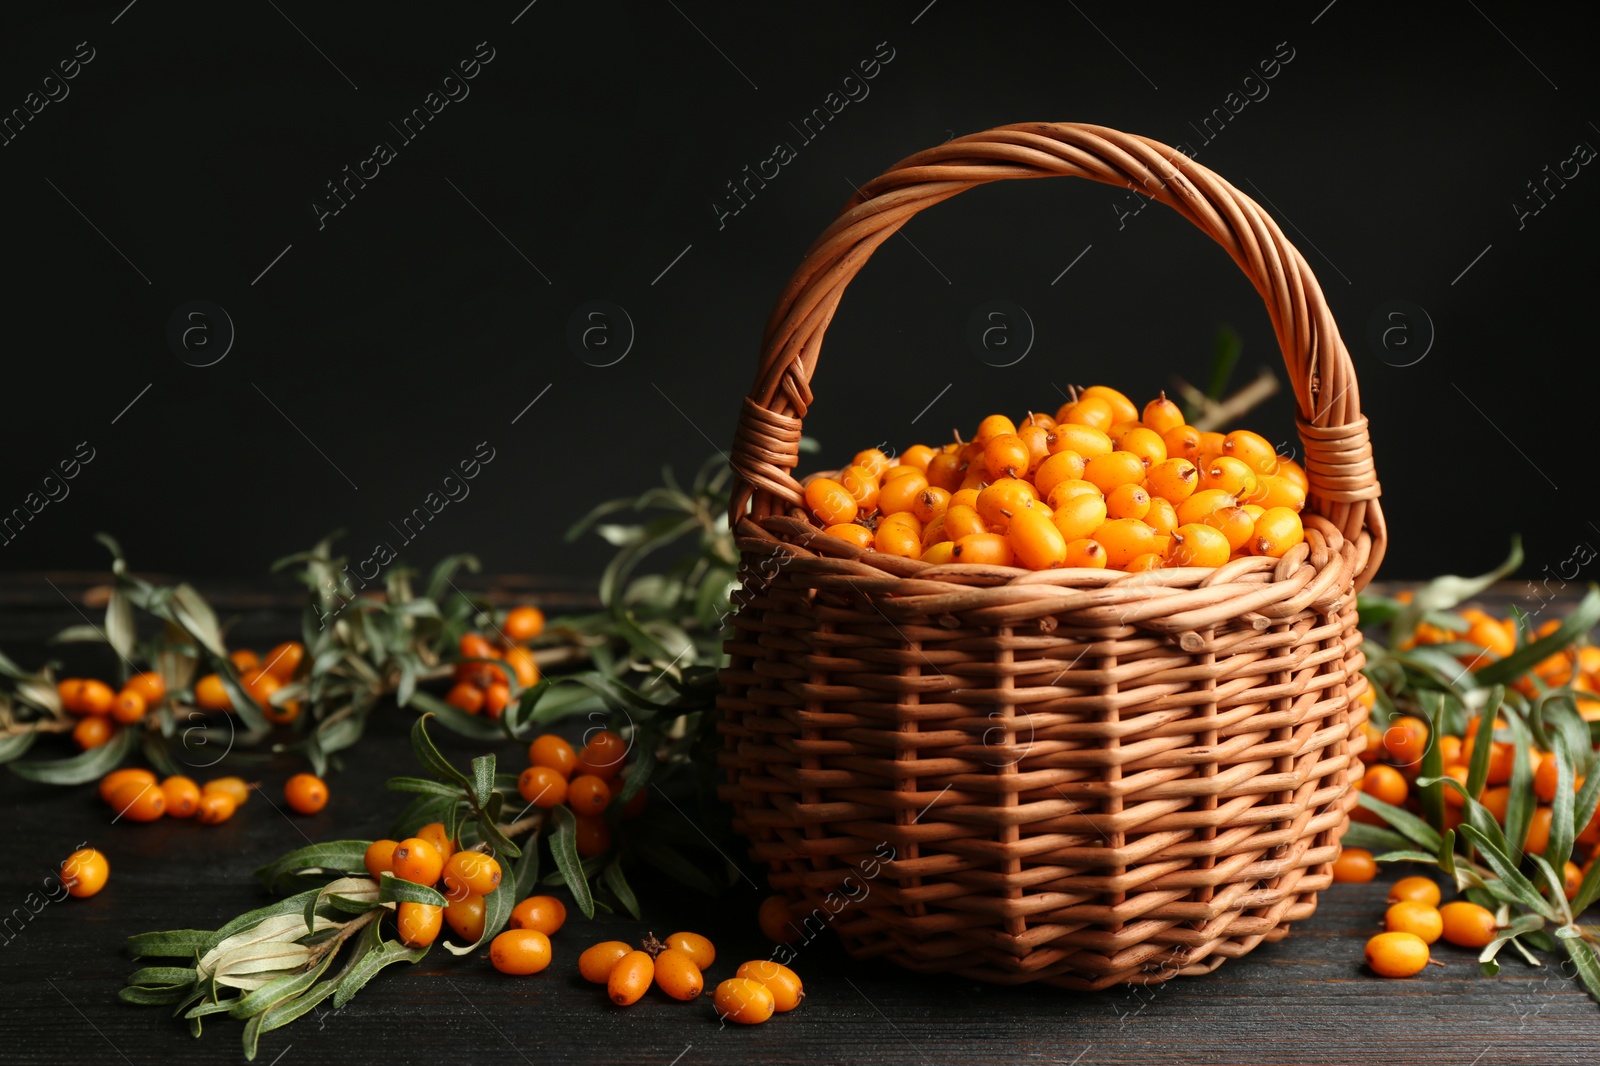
x,y
554,752
244,660
523,665
496,698
94,697
182,795
1406,739
234,788
475,646
598,960
630,978
830,501
417,861
419,923
743,1000
139,802
1415,889
1467,924
211,695
1397,954
1080,515
1162,415
851,533
148,685
1415,917
678,976
1253,449
1062,466
1354,866
520,951
92,732
1035,540
465,916
989,549
379,858
283,662
1235,524
522,624
1085,554
305,793
435,834
85,872
1108,471
1088,442
1125,539
1385,783
588,794
782,982
603,755
128,707
898,538
1275,531
1197,544
544,913
695,946
1200,504
1538,838
214,808
471,872
465,696
873,460
542,786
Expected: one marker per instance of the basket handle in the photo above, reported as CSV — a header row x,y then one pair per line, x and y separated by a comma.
x,y
1339,467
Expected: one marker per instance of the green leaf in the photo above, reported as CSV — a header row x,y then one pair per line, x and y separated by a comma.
x,y
1508,873
194,614
1583,957
86,633
1431,797
363,969
424,786
483,779
1409,825
1478,769
150,997
1447,852
278,990
1562,828
121,633
172,944
428,755
16,745
1577,624
1520,804
1588,889
334,856
471,726
1406,855
153,976
444,572
87,766
564,849
392,889
617,882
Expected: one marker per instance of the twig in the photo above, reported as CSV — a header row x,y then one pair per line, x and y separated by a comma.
x,y
1217,413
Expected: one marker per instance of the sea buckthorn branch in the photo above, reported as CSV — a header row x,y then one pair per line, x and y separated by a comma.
x,y
1503,810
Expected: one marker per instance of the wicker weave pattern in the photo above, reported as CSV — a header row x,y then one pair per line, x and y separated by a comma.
x,y
1086,777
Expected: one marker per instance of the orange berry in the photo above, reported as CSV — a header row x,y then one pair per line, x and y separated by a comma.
x,y
522,624
1124,539
435,834
244,660
851,533
148,685
1079,516
283,662
1106,472
234,788
1397,954
782,982
542,786
520,951
85,872
1449,749
139,802
1090,411
1275,531
1467,924
1006,455
1085,553
214,808
1229,475
182,795
593,837
1004,498
989,549
1496,800
417,861
544,913
69,691
465,916
1183,442
603,755
697,948
379,858
1127,501
1202,503
1275,490
1415,889
94,697
419,923
1197,544
1062,466
777,921
1235,524
1253,449
1162,415
898,538
918,455
947,470
1538,838
1354,866
862,485
598,960
900,493
92,732
1385,783
1414,917
1122,408
830,501
466,696
495,699
930,504
305,793
678,976
1088,442
873,460
475,646
1571,879
630,978
470,873
211,695
128,707
961,520
1035,541
743,1000
550,750
524,665
1406,739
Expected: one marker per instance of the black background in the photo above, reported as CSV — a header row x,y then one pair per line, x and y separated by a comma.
x,y
379,350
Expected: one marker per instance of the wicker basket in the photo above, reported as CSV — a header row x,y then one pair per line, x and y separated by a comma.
x,y
1082,777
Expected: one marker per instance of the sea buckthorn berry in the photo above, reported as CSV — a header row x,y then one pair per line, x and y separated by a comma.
x,y
744,1000
1411,916
305,793
471,872
1275,490
1495,800
898,538
148,685
235,788
1467,924
1162,516
1036,418
593,837
1251,448
128,707
92,732
782,982
1085,553
933,532
1145,443
1354,866
465,916
94,697
1174,480
936,554
520,951
1127,501
1275,532
1294,473
1397,954
931,503
678,976
947,470
283,662
900,493
961,520
244,660
1066,490
1148,561
1235,524
603,755
435,834
550,750
475,646
524,665
1106,472
1385,783
215,808
1079,516
495,699
1230,475
992,427
1183,442
699,949
417,861
862,485
964,498
139,802
830,501
1197,544
1004,498
1062,466
1036,542
211,695
1415,890
1037,441
598,960
465,696
918,455
128,775
1538,838
544,913
1502,758
85,872
989,549
419,923
1088,411
1489,635
379,858
68,690
630,978
1162,415
873,460
1122,408
1212,442
1006,455
1202,503
588,794
1124,539
542,786
1406,739
1374,749
522,624
1571,879
182,795
1087,441
851,533
1449,746
777,920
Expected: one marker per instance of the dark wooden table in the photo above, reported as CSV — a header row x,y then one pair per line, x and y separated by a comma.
x,y
1305,1000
